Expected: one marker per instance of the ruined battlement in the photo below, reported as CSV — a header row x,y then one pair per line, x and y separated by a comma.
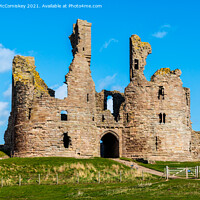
x,y
138,54
24,72
150,120
81,39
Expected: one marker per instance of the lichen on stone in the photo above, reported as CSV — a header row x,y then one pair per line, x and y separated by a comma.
x,y
163,71
136,42
24,71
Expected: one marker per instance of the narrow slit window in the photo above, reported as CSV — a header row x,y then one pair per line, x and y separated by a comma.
x,y
64,116
164,118
103,118
83,49
87,97
161,94
127,117
29,113
160,118
156,143
136,64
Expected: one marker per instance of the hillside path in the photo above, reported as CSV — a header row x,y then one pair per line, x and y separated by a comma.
x,y
136,166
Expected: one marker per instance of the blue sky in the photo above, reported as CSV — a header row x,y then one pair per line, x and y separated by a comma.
x,y
171,27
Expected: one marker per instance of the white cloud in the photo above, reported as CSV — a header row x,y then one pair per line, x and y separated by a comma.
x,y
3,109
110,104
106,44
61,92
6,57
160,34
108,80
8,92
164,29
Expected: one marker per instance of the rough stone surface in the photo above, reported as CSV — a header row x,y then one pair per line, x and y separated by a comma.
x,y
150,120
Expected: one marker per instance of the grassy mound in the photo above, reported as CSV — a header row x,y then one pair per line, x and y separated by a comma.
x,y
65,170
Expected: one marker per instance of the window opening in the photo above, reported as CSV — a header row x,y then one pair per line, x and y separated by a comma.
x,y
103,118
66,140
156,143
161,94
136,63
110,103
190,147
162,118
29,113
64,115
127,117
87,97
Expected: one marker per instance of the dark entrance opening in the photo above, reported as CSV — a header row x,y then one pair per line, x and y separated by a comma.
x,y
109,145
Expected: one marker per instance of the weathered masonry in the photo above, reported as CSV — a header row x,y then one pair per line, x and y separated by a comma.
x,y
150,120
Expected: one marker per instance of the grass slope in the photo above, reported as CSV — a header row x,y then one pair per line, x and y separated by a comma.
x,y
160,165
3,154
173,189
65,170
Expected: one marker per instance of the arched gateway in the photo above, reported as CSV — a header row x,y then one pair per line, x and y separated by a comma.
x,y
109,145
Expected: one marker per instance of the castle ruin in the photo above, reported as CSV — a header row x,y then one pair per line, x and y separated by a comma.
x,y
150,120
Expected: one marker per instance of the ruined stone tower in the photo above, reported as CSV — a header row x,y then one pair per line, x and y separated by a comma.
x,y
151,120
158,114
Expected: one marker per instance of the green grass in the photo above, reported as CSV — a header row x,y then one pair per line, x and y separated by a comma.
x,y
3,154
131,186
160,165
173,189
126,159
68,170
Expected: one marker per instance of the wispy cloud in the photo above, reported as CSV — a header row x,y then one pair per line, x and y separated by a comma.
x,y
162,32
107,81
6,57
8,92
61,92
107,43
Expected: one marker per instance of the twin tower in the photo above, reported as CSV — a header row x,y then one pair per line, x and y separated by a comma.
x,y
150,120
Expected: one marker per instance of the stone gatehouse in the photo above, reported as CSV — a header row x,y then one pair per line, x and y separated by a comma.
x,y
150,120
